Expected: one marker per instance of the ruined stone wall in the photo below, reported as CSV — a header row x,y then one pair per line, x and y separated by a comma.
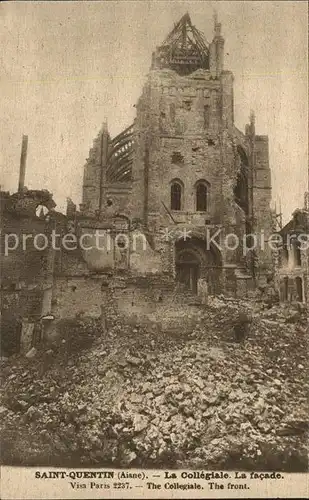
x,y
70,263
261,202
176,141
184,131
184,144
288,271
25,262
76,295
117,199
121,299
26,271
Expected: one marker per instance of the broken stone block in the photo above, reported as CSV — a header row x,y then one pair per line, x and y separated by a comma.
x,y
199,382
140,422
33,413
3,409
32,353
128,457
22,405
133,360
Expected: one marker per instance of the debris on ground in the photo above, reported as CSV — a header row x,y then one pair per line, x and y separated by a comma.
x,y
146,397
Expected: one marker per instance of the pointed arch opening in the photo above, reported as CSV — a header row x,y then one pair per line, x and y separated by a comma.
x,y
176,195
202,196
194,260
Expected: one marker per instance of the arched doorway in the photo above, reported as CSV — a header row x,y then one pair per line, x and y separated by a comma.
x,y
193,261
188,269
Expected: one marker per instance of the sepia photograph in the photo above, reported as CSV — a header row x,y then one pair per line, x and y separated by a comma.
x,y
154,248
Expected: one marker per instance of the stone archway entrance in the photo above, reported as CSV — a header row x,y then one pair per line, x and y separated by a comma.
x,y
194,261
188,270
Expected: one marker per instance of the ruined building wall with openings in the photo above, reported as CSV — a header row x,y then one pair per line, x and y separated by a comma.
x,y
184,165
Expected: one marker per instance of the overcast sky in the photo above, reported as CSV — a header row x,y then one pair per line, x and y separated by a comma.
x,y
65,66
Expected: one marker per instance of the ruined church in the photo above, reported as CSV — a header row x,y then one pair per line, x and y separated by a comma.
x,y
183,175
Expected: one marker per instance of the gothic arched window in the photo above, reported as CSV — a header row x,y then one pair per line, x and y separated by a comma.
x,y
202,194
176,195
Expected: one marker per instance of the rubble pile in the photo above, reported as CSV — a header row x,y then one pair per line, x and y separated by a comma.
x,y
142,397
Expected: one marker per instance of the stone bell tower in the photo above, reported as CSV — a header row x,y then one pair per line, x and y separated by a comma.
x,y
192,166
183,165
185,109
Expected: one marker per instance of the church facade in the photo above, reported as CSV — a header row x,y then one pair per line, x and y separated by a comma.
x,y
184,175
